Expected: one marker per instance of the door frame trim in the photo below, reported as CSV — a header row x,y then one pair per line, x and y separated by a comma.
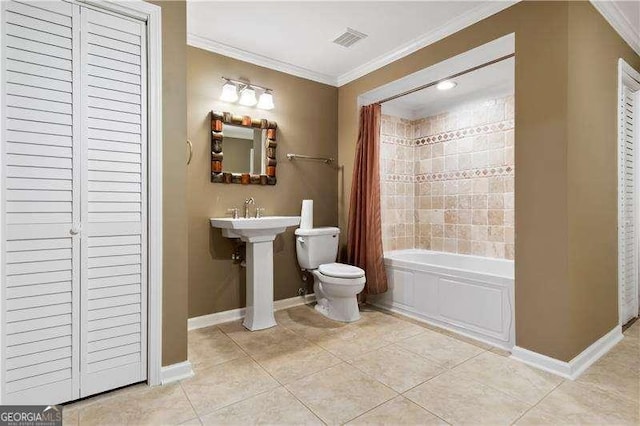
x,y
625,71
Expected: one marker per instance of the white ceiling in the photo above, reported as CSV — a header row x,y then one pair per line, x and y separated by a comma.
x,y
631,10
297,37
491,81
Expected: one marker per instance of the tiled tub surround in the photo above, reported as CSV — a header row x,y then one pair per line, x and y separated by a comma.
x,y
382,369
462,179
397,183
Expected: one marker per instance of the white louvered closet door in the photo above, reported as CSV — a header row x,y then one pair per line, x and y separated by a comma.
x,y
114,266
628,201
73,240
41,204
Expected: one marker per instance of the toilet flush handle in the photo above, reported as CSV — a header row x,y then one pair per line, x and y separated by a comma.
x,y
301,240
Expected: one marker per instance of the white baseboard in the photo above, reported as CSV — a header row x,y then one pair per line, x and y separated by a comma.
x,y
236,314
574,368
175,372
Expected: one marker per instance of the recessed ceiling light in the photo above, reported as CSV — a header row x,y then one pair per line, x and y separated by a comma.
x,y
446,85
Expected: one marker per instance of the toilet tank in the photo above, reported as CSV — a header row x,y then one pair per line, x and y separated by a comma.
x,y
316,246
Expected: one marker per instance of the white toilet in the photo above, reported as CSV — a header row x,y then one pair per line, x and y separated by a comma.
x,y
335,285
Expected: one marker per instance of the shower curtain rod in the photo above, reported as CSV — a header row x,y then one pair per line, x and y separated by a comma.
x,y
433,83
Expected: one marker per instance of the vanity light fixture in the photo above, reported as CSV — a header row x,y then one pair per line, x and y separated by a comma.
x,y
247,92
266,100
229,92
446,85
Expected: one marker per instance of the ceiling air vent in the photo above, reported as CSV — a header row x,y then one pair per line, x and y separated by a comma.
x,y
349,38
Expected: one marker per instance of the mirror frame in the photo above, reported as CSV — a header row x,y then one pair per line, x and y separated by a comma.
x,y
218,120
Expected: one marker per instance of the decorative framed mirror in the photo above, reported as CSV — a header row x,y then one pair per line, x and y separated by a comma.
x,y
249,155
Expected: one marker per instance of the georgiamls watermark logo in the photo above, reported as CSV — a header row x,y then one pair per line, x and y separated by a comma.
x,y
30,415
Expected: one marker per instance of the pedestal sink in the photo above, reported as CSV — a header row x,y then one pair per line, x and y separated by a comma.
x,y
259,234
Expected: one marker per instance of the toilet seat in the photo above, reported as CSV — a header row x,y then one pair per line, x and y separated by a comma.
x,y
340,282
340,270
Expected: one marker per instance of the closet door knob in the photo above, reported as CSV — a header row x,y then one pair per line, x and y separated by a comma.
x,y
75,230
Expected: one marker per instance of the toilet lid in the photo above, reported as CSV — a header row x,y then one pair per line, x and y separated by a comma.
x,y
340,270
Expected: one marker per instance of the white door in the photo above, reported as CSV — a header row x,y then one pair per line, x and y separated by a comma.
x,y
41,204
74,268
628,216
113,273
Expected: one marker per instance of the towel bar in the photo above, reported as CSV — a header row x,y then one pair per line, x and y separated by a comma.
x,y
326,160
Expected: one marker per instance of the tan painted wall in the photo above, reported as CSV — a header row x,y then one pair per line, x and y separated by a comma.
x,y
594,49
307,124
174,309
565,263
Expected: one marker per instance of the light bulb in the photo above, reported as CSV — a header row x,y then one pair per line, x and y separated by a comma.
x,y
229,92
248,97
266,100
446,85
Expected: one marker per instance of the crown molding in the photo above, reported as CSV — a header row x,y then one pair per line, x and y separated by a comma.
x,y
253,58
617,19
471,17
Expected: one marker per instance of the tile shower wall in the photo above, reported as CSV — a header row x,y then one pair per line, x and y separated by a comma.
x,y
397,178
462,180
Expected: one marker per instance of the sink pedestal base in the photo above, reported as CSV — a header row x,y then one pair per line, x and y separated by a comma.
x,y
259,284
259,234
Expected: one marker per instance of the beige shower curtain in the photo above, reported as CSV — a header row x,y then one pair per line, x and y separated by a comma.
x,y
364,242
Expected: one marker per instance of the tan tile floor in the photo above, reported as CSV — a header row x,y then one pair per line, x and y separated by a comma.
x,y
382,370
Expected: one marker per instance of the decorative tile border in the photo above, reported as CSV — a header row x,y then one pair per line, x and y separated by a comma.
x,y
458,174
398,178
466,174
461,133
393,140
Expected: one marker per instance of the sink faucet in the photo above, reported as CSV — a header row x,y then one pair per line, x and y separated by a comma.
x,y
247,202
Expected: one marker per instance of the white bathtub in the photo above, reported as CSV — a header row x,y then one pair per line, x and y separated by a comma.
x,y
470,295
